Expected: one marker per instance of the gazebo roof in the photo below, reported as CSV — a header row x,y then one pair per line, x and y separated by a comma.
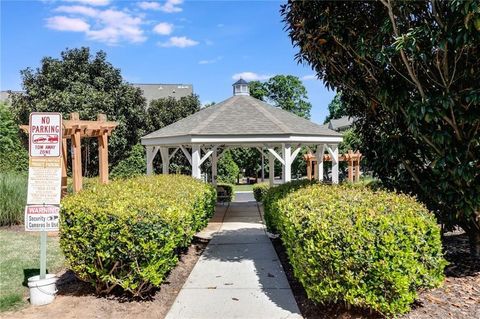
x,y
238,119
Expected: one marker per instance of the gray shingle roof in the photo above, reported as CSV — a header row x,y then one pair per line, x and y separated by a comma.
x,y
242,115
340,124
157,91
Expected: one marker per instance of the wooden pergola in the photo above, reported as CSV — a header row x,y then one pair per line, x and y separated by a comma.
x,y
76,129
316,167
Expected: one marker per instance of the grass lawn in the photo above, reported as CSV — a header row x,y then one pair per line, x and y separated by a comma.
x,y
20,258
243,187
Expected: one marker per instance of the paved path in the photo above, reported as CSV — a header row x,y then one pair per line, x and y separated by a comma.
x,y
239,274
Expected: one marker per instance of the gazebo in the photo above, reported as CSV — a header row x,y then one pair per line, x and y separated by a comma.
x,y
243,121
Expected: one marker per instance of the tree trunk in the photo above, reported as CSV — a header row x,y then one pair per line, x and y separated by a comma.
x,y
473,231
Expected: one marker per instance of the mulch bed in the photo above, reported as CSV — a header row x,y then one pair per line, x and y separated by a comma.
x,y
458,298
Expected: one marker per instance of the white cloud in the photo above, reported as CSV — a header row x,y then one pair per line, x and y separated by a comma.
x,y
180,42
251,76
171,6
91,2
146,5
82,10
309,77
109,26
218,58
62,23
163,28
117,26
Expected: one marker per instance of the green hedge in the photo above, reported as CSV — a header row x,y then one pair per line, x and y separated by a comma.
x,y
260,190
229,192
371,249
128,233
273,195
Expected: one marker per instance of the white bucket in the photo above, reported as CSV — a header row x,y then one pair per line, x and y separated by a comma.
x,y
42,291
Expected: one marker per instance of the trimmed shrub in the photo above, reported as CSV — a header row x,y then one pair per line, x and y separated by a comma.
x,y
13,198
225,192
365,248
259,191
128,233
273,195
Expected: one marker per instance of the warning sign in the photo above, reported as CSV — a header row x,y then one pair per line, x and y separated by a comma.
x,y
42,217
45,134
44,181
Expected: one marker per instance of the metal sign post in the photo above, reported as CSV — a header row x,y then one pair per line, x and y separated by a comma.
x,y
44,178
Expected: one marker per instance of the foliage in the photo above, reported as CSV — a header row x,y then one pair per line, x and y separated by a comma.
x,y
166,111
284,91
260,190
369,249
258,90
227,194
227,171
351,141
13,156
13,198
80,82
8,129
249,160
133,165
127,234
409,74
271,198
336,109
19,261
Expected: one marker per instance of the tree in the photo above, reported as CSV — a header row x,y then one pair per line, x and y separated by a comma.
x,y
411,70
133,165
228,170
166,111
87,84
284,91
13,155
335,108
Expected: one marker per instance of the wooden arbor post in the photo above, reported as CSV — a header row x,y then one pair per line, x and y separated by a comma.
x,y
102,150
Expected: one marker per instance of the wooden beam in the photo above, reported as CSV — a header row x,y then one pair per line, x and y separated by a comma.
x,y
64,166
76,162
103,158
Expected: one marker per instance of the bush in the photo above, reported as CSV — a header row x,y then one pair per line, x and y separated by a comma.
x,y
13,198
128,233
133,165
227,190
365,248
227,169
259,191
273,195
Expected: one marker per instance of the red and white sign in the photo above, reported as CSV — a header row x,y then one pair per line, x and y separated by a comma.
x,y
42,217
45,134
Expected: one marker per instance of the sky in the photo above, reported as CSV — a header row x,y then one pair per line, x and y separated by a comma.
x,y
208,44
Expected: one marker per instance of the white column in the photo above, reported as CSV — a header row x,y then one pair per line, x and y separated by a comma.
x,y
214,167
334,164
319,155
283,165
196,162
271,169
150,156
165,159
287,168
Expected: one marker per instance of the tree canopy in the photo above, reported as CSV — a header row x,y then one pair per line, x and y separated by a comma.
x,y
284,91
336,109
412,73
88,84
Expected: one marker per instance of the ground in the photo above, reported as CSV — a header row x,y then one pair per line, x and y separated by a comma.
x,y
76,299
19,251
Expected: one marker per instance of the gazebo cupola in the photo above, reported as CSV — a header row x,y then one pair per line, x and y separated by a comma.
x,y
241,87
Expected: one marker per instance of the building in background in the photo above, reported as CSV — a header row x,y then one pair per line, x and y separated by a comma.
x,y
157,91
340,124
5,96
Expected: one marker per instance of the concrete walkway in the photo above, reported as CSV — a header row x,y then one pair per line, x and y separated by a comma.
x,y
239,274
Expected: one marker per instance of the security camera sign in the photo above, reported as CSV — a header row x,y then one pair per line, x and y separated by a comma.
x,y
45,134
42,217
